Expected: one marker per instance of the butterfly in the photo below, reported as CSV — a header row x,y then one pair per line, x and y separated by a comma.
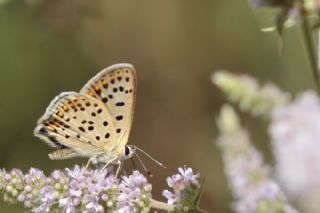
x,y
94,122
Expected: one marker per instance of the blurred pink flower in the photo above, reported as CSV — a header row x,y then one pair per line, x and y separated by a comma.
x,y
249,177
295,133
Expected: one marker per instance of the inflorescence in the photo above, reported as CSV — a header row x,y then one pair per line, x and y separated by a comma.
x,y
95,190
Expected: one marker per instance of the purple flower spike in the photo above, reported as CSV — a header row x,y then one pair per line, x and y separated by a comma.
x,y
88,190
50,194
295,133
34,180
185,178
11,184
135,194
249,177
186,189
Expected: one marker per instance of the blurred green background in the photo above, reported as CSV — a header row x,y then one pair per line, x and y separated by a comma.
x,y
51,46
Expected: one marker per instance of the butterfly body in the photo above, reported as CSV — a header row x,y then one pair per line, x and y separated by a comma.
x,y
94,122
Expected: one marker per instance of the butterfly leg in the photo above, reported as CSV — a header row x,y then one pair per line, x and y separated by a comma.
x,y
105,166
108,163
119,163
88,163
124,172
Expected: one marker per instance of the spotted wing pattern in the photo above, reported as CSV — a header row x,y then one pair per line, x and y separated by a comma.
x,y
77,125
115,86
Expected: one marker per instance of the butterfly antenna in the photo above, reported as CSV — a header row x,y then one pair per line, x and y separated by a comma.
x,y
133,165
149,156
144,166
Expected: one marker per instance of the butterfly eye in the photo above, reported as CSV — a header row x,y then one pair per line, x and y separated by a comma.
x,y
127,151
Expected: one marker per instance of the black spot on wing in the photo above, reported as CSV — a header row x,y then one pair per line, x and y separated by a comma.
x,y
91,128
107,135
105,100
120,104
119,117
81,129
43,131
55,141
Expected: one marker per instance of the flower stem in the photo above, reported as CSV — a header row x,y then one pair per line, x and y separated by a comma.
x,y
307,36
161,205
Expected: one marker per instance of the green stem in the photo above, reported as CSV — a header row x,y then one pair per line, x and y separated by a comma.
x,y
161,205
170,208
307,36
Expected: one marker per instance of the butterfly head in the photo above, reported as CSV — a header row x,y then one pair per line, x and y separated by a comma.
x,y
127,153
